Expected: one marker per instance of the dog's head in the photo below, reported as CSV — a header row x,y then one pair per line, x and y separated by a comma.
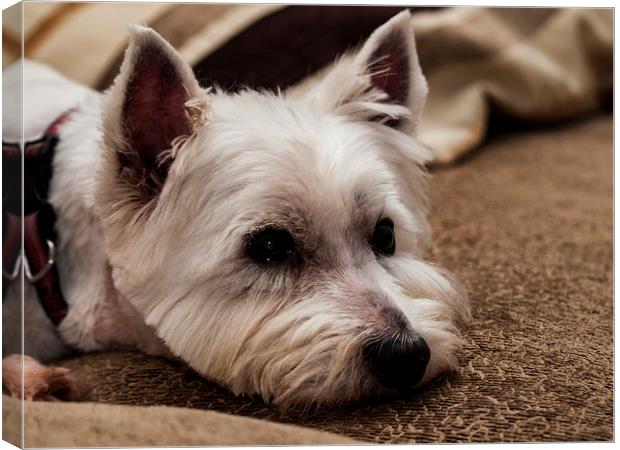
x,y
274,240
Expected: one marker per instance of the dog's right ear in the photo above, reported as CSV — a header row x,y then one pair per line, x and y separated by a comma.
x,y
144,111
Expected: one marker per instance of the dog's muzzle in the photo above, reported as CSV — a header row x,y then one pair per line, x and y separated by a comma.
x,y
398,362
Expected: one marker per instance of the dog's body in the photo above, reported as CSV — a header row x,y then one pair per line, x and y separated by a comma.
x,y
271,241
97,318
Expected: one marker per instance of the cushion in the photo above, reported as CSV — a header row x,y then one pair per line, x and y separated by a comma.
x,y
526,224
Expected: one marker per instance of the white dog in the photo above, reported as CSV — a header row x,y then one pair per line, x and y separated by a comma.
x,y
272,241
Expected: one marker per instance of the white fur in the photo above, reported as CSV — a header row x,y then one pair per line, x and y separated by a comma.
x,y
168,276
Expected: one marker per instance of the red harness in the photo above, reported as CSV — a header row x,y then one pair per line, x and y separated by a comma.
x,y
36,219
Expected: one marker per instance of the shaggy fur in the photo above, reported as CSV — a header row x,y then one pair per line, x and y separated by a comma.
x,y
159,184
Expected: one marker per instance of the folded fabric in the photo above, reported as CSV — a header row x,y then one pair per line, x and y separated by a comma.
x,y
535,65
101,425
523,64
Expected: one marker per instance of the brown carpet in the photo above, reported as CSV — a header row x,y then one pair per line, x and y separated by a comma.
x,y
526,223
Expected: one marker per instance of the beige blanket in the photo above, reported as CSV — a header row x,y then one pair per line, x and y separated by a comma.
x,y
533,64
100,425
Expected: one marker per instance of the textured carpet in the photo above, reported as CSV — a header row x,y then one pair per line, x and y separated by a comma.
x,y
526,224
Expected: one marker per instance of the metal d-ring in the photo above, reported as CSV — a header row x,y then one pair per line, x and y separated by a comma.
x,y
45,270
12,276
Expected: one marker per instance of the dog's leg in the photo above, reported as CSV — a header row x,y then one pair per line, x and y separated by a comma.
x,y
40,382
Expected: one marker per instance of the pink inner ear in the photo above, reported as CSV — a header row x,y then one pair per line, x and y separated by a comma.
x,y
390,68
153,111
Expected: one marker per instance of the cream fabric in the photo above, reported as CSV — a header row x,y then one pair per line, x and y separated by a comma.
x,y
103,425
555,71
536,64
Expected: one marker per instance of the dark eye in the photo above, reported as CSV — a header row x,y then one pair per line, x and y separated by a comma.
x,y
383,240
271,246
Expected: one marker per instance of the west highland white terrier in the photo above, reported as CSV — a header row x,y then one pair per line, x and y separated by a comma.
x,y
273,241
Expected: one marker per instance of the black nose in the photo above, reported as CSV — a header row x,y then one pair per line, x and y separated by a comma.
x,y
398,362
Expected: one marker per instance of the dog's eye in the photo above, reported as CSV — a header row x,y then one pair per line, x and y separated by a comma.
x,y
383,240
271,246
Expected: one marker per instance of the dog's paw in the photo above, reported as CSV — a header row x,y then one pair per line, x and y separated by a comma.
x,y
40,382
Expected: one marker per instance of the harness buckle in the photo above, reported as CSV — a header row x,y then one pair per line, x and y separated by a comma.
x,y
13,275
45,270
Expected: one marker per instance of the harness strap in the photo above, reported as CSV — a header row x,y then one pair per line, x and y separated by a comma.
x,y
37,219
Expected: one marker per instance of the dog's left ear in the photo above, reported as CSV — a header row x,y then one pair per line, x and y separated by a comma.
x,y
145,111
389,57
383,81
